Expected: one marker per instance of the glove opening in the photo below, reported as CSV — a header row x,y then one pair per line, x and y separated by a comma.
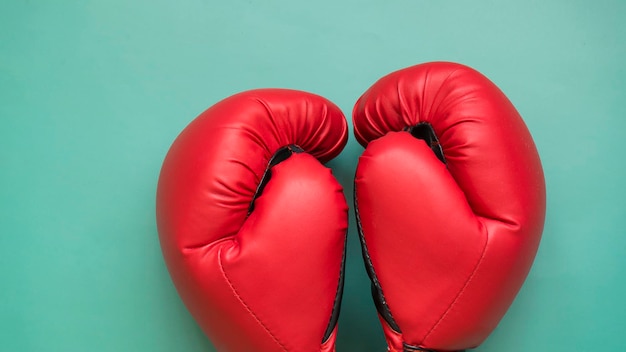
x,y
281,155
425,132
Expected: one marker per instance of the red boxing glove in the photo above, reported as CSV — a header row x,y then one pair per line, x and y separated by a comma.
x,y
450,202
258,262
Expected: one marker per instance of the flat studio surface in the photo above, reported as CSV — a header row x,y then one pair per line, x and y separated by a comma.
x,y
93,93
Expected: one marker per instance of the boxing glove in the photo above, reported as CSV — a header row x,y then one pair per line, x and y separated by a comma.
x,y
252,226
450,204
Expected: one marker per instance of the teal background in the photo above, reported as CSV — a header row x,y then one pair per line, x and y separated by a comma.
x,y
92,93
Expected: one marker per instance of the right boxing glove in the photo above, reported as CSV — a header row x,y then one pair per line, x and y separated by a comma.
x,y
252,225
450,204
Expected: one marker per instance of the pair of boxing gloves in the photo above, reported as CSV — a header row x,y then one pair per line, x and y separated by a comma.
x,y
449,201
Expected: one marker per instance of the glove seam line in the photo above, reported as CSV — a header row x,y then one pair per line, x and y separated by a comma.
x,y
393,325
338,292
458,296
240,299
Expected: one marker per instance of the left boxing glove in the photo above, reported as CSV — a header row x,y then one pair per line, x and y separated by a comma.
x,y
252,225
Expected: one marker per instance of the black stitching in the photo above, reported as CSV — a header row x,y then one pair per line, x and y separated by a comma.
x,y
334,317
377,292
410,348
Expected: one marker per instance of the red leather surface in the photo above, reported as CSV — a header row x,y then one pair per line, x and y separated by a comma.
x,y
451,246
266,282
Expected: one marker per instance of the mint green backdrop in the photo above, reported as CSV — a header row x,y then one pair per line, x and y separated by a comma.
x,y
92,93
